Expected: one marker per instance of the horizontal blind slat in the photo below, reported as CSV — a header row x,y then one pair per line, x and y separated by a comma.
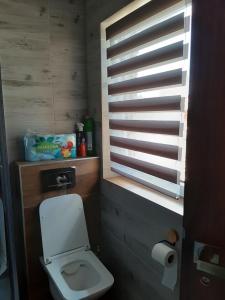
x,y
147,104
143,166
165,187
160,127
158,56
147,137
144,12
167,151
146,82
158,31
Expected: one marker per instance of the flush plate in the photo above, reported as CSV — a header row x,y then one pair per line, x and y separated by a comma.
x,y
57,179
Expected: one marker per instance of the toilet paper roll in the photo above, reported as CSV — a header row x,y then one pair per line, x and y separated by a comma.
x,y
167,257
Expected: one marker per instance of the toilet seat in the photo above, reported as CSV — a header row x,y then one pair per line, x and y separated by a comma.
x,y
54,269
63,225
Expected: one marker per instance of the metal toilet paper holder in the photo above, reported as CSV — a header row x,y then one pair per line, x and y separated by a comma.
x,y
204,252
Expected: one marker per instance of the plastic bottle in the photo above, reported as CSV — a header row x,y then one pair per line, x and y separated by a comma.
x,y
83,148
81,144
89,135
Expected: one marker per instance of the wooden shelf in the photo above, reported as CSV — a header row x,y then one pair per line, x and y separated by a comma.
x,y
57,161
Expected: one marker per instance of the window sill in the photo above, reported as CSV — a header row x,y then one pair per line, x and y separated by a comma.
x,y
149,194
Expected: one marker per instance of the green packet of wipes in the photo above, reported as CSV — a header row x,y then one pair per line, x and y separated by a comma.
x,y
49,147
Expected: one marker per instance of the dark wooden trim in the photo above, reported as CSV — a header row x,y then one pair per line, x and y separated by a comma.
x,y
205,165
204,198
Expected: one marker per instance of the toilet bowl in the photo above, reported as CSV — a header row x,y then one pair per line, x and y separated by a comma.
x,y
74,271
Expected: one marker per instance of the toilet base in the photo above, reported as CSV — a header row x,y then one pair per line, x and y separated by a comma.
x,y
54,291
57,295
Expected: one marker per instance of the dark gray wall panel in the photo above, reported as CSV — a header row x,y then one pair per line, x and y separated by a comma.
x,y
131,225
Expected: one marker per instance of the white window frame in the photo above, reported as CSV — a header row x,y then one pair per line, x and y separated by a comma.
x,y
106,163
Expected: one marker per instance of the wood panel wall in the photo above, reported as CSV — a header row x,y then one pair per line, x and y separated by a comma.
x,y
87,180
42,53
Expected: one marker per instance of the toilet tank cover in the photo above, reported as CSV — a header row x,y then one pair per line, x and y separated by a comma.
x,y
63,225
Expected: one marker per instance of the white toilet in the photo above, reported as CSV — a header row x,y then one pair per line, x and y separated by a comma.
x,y
73,269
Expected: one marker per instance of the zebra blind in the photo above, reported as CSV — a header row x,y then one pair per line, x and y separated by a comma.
x,y
147,70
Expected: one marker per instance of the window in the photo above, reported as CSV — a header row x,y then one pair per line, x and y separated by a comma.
x,y
145,76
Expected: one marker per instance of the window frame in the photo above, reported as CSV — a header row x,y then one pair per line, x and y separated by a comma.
x,y
107,173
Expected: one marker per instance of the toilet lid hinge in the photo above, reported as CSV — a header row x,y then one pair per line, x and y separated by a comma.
x,y
48,261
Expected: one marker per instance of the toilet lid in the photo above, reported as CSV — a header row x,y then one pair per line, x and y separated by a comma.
x,y
63,225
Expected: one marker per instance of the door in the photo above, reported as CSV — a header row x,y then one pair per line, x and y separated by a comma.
x,y
8,272
203,272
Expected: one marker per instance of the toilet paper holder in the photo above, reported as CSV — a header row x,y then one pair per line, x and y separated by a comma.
x,y
172,237
201,253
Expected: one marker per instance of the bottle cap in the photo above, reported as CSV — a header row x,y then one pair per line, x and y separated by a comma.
x,y
80,126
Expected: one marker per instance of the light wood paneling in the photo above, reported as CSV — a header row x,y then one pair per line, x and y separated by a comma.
x,y
87,185
42,53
